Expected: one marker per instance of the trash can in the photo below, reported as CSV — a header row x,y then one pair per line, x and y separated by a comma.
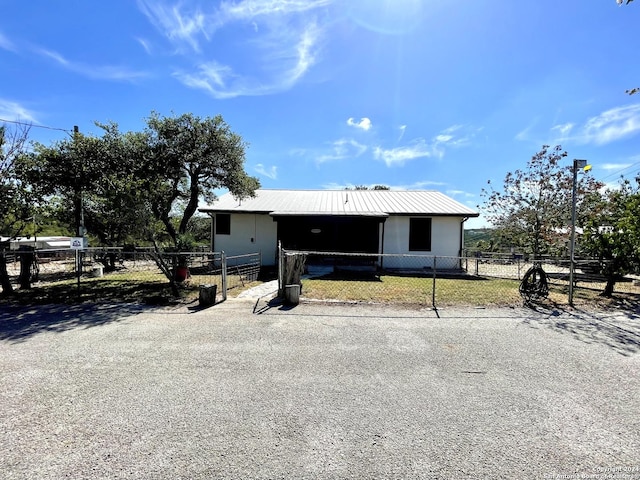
x,y
207,295
292,294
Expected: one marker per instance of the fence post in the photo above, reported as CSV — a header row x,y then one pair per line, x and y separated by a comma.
x,y
477,266
223,262
280,270
433,294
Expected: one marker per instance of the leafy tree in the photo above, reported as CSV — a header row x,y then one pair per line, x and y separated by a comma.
x,y
125,187
365,187
17,202
188,158
611,231
532,210
90,181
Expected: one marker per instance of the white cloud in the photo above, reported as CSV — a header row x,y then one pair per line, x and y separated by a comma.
x,y
249,9
612,125
145,44
363,124
607,127
401,155
10,110
98,72
178,26
402,129
343,149
283,66
283,43
614,166
459,193
420,148
271,172
563,129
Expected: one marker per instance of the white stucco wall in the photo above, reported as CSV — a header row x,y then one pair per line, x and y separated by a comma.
x,y
250,233
445,242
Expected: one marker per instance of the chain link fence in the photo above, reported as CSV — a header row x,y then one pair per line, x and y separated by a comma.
x,y
126,275
432,280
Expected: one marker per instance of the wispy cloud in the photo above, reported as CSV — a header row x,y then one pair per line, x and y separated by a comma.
x,y
145,44
563,129
98,72
10,110
402,129
607,127
614,166
282,44
400,155
179,26
342,149
286,66
271,172
249,9
6,44
363,124
421,148
612,125
459,193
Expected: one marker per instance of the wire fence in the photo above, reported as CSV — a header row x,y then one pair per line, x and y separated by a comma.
x,y
117,274
433,280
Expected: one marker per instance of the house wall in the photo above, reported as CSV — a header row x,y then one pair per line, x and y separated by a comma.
x,y
445,242
250,233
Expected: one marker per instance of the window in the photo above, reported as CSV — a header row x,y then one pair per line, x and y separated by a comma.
x,y
420,234
223,224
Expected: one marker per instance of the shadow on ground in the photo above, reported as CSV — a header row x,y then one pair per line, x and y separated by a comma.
x,y
617,326
18,323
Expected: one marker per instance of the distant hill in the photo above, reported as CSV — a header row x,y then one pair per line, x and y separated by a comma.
x,y
475,235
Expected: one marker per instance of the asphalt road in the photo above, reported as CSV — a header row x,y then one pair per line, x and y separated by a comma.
x,y
317,391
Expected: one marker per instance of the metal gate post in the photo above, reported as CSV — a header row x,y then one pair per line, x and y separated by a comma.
x,y
223,261
433,294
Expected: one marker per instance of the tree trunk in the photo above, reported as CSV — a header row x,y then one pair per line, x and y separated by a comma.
x,y
608,289
26,260
5,281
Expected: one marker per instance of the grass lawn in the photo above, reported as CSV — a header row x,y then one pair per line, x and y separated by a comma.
x,y
132,286
415,290
471,291
128,286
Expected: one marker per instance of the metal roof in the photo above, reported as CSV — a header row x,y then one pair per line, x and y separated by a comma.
x,y
343,202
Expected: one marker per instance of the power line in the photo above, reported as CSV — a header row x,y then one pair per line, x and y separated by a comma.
x,y
35,126
620,171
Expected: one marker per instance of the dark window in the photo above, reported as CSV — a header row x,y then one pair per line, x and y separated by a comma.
x,y
420,234
223,224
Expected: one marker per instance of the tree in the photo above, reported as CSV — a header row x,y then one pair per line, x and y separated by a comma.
x,y
532,210
365,187
16,200
611,231
188,158
91,182
125,187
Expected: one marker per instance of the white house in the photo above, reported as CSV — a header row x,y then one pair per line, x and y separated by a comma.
x,y
351,221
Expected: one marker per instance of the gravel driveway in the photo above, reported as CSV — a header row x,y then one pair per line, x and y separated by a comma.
x,y
317,391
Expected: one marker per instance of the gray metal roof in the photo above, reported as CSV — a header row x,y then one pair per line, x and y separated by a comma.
x,y
343,202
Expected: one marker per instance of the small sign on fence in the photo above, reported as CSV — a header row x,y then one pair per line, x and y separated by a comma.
x,y
77,243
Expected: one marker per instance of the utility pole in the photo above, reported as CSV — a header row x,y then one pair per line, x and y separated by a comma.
x,y
572,266
80,204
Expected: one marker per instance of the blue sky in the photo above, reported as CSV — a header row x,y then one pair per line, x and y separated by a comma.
x,y
414,94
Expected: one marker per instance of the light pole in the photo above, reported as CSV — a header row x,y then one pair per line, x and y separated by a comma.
x,y
576,165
